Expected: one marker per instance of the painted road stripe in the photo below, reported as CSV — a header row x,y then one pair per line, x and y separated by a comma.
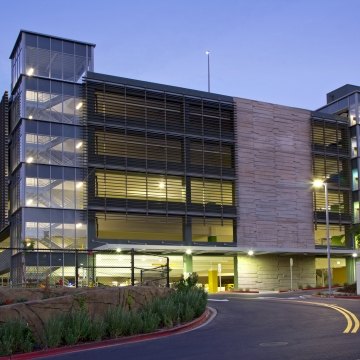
x,y
352,320
349,316
353,316
218,300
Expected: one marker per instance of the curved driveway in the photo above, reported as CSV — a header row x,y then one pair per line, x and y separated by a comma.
x,y
252,328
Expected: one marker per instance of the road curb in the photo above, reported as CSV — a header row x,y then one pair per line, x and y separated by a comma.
x,y
208,315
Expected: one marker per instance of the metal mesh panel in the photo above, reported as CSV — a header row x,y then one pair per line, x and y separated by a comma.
x,y
331,161
4,121
87,268
151,143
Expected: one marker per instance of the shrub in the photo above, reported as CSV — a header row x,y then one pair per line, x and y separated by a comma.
x,y
53,332
192,303
151,321
187,283
97,330
77,325
15,336
348,289
188,302
133,323
167,310
115,319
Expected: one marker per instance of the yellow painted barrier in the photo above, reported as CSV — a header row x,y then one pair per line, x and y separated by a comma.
x,y
213,281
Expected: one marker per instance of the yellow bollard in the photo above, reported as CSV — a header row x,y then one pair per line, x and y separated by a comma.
x,y
213,281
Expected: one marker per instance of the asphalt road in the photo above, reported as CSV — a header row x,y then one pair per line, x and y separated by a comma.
x,y
252,328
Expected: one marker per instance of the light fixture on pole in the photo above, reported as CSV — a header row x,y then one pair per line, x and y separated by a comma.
x,y
319,184
208,59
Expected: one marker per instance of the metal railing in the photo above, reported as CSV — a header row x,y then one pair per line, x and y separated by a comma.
x,y
83,268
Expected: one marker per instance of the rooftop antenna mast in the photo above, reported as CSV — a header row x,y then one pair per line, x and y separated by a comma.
x,y
207,52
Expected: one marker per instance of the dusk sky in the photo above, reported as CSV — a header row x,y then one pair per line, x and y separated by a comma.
x,y
290,52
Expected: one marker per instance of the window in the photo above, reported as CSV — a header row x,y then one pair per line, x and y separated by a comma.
x,y
138,227
138,146
337,235
212,230
207,192
139,186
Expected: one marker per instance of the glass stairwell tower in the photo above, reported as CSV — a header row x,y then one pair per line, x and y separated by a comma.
x,y
46,166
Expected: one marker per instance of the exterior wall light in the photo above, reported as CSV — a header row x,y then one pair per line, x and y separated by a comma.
x,y
30,72
251,252
79,106
354,255
188,252
30,159
79,184
118,250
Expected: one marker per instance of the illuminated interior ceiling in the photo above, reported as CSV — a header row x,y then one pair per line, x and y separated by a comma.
x,y
321,263
201,264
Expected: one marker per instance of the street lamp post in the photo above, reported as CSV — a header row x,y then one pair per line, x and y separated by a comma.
x,y
317,184
208,60
327,236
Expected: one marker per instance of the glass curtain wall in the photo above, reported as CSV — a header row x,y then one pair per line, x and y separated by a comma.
x,y
47,184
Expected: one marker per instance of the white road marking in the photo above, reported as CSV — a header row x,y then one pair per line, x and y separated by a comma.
x,y
218,300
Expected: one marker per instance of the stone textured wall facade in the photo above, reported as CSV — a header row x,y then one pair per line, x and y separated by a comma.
x,y
274,172
272,272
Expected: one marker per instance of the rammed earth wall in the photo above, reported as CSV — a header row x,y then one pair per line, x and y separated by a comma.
x,y
272,272
274,176
47,304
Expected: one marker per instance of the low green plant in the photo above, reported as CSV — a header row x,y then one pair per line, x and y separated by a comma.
x,y
15,336
129,301
133,323
187,283
167,309
186,303
115,322
53,331
151,321
77,325
350,289
97,330
81,300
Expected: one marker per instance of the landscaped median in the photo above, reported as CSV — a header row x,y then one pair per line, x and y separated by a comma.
x,y
71,316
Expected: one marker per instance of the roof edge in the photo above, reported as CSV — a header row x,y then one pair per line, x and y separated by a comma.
x,y
156,86
22,31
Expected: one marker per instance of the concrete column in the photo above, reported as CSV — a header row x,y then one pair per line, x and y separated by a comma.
x,y
188,264
350,270
236,275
